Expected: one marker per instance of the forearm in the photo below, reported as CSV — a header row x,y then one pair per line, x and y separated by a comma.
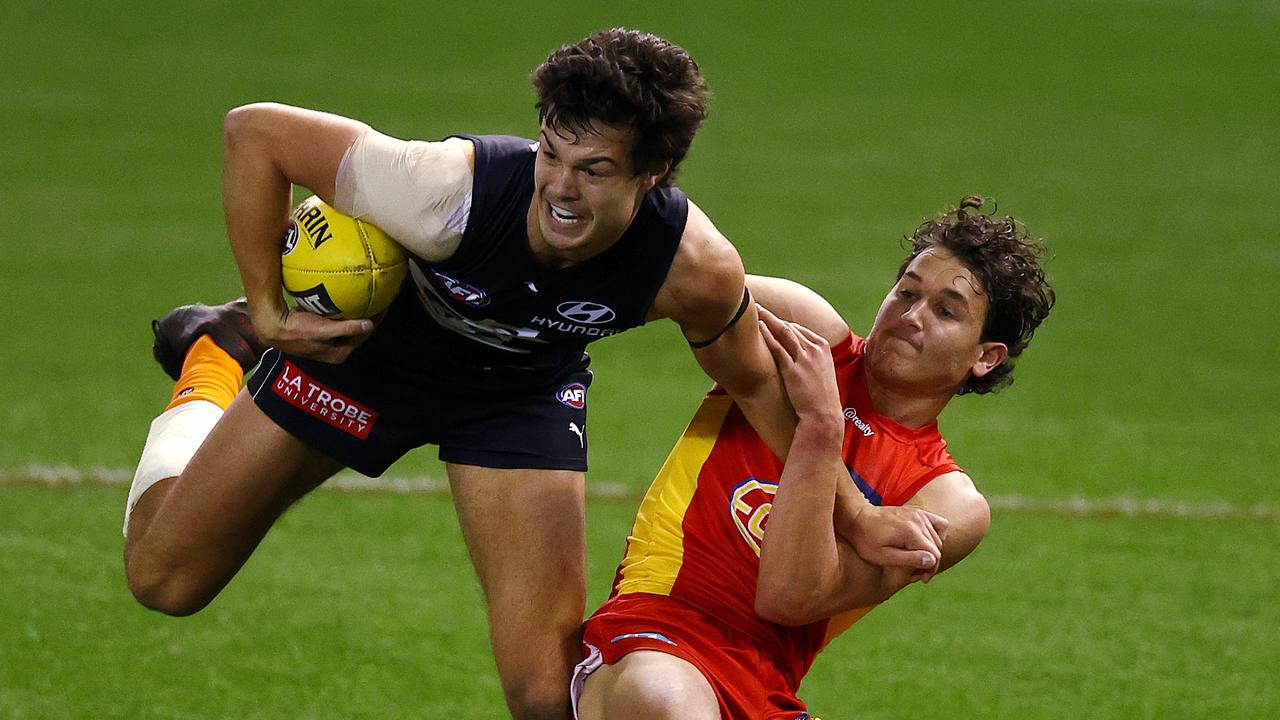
x,y
256,198
799,558
740,363
268,149
850,504
765,406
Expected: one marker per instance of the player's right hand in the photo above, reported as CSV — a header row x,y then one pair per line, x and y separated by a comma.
x,y
309,335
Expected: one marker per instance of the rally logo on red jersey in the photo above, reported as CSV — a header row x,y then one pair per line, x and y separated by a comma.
x,y
573,395
463,292
323,403
749,504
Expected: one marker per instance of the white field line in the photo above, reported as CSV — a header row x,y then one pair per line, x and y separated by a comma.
x,y
403,485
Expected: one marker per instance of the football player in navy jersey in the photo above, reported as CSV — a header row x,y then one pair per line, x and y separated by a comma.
x,y
522,251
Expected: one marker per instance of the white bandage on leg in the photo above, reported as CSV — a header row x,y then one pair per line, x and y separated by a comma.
x,y
174,438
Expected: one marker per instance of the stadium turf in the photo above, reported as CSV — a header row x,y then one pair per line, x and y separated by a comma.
x,y
1138,137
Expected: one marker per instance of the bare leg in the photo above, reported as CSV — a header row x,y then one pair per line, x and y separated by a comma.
x,y
526,535
648,685
189,535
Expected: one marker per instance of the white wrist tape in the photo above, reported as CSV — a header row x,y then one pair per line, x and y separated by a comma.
x,y
173,440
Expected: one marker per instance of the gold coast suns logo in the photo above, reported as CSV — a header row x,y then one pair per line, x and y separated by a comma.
x,y
749,504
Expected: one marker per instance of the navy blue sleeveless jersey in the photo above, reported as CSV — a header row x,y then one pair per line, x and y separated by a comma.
x,y
493,307
482,354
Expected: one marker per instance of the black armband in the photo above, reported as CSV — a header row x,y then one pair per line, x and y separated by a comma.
x,y
742,309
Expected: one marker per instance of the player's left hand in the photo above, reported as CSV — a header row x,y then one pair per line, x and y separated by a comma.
x,y
903,537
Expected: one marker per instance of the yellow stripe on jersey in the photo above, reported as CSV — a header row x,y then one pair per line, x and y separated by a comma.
x,y
655,548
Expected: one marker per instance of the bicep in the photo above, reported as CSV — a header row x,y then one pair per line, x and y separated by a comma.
x,y
796,303
418,192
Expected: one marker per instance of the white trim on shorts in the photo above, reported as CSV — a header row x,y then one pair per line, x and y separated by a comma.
x,y
583,669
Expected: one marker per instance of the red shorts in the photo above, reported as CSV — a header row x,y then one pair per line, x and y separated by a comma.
x,y
747,682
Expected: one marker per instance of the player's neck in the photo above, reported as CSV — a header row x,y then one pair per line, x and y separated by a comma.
x,y
905,406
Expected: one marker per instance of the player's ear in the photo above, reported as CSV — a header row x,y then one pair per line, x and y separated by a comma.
x,y
993,354
655,173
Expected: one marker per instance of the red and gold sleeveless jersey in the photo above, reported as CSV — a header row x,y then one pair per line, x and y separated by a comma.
x,y
697,534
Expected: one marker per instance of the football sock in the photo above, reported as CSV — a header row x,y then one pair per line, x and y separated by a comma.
x,y
208,383
208,373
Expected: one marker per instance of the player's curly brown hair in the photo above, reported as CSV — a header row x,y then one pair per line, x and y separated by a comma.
x,y
1005,258
629,79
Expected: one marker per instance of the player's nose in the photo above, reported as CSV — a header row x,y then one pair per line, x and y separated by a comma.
x,y
912,315
563,184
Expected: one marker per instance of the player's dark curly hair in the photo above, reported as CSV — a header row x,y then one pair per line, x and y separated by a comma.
x,y
629,79
1005,258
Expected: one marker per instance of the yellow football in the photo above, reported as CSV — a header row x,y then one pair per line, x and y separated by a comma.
x,y
337,266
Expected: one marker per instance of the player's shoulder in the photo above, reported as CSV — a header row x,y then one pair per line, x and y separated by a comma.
x,y
490,153
703,250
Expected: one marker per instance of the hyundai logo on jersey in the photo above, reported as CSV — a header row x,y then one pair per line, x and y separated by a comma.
x,y
587,313
462,292
573,395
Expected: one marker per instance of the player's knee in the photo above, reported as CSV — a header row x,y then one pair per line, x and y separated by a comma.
x,y
163,589
538,697
640,692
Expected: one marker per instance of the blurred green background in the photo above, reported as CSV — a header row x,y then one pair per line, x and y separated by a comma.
x,y
1139,138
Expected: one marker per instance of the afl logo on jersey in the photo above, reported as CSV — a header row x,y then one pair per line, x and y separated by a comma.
x,y
749,504
587,313
462,292
573,395
290,239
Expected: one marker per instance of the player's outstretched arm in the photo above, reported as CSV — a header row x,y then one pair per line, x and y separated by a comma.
x,y
703,293
268,147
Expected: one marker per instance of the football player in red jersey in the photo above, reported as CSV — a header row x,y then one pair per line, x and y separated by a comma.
x,y
735,574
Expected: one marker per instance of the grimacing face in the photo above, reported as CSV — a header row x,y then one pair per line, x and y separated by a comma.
x,y
926,338
585,191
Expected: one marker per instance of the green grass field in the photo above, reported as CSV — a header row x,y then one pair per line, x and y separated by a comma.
x,y
1138,137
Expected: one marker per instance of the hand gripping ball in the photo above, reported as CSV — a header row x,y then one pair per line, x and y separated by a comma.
x,y
337,266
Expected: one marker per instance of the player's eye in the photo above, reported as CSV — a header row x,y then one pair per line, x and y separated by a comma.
x,y
905,294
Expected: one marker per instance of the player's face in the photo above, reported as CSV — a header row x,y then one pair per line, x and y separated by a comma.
x,y
926,339
585,191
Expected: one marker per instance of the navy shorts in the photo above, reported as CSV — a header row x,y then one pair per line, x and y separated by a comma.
x,y
369,411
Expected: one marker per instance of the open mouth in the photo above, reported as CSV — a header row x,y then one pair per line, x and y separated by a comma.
x,y
563,216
